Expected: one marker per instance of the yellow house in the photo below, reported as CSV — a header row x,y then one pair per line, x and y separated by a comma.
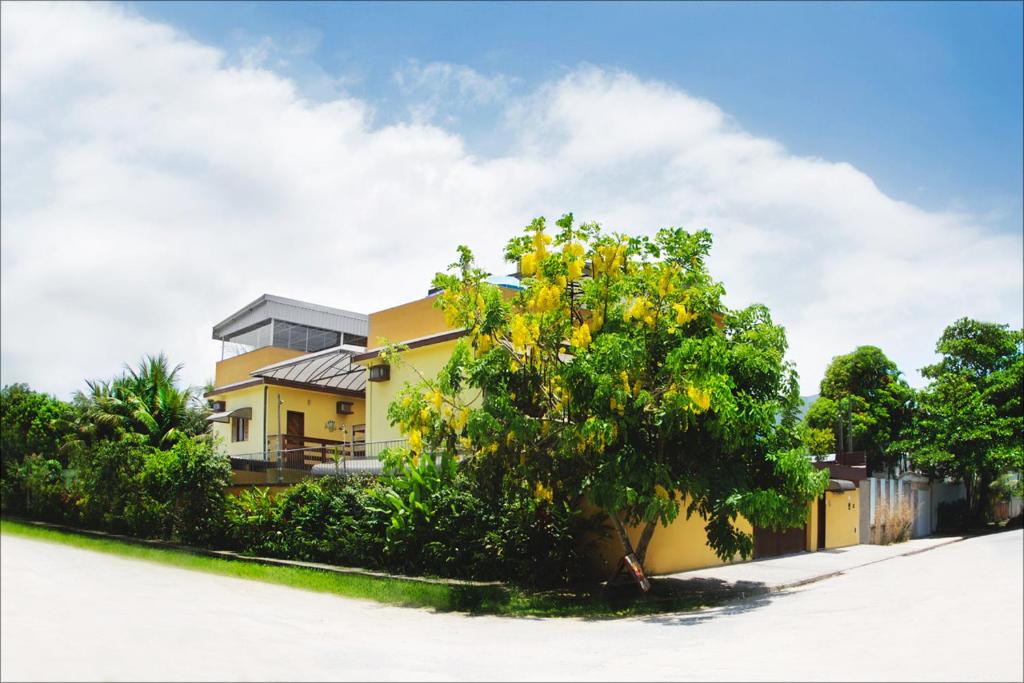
x,y
286,395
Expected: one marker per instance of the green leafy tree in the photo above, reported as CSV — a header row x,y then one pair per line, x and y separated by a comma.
x,y
969,423
32,422
868,387
616,374
143,400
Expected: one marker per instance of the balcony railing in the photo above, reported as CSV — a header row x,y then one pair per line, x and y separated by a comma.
x,y
290,465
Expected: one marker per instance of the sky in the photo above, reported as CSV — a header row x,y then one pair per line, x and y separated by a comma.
x,y
163,164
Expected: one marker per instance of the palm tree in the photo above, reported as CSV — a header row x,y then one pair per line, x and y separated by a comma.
x,y
145,400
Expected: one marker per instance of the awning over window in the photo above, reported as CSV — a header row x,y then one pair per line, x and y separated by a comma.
x,y
228,414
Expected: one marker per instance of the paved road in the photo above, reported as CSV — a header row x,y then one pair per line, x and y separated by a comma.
x,y
953,613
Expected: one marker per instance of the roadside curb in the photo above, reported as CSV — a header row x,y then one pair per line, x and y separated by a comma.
x,y
253,559
821,577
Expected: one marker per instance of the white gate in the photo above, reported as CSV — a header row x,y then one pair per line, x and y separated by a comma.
x,y
923,514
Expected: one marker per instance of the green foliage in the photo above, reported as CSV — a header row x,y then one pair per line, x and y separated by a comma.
x,y
331,520
632,386
108,487
144,400
867,386
31,423
969,423
41,483
186,485
252,523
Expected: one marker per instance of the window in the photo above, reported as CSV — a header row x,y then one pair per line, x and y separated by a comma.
x,y
239,429
304,338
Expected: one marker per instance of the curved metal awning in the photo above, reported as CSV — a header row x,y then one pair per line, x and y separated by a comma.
x,y
331,368
841,485
228,414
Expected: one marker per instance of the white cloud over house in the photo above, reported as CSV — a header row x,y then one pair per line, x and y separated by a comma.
x,y
150,187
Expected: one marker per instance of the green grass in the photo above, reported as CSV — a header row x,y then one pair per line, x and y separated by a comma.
x,y
498,600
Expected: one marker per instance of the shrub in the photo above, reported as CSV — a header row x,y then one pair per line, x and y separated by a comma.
x,y
331,520
252,522
42,481
107,480
893,521
953,515
186,486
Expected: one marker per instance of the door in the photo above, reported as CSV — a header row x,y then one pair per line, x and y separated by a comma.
x,y
296,430
821,523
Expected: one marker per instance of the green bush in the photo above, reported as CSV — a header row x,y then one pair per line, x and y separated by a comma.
x,y
331,520
42,482
186,486
107,481
252,525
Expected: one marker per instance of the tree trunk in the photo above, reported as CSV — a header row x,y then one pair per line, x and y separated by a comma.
x,y
621,531
645,540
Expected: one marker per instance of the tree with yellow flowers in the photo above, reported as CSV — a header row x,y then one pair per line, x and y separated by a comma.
x,y
616,375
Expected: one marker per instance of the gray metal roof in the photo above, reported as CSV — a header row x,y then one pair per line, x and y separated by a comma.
x,y
331,368
270,306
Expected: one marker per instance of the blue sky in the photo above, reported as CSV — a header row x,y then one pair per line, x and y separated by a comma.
x,y
859,165
926,98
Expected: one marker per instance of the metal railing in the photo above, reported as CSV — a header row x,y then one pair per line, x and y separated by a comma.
x,y
294,464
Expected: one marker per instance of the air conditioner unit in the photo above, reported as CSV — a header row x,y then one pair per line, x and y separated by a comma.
x,y
380,373
344,408
218,406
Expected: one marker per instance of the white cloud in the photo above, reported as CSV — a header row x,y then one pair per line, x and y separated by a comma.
x,y
151,186
439,85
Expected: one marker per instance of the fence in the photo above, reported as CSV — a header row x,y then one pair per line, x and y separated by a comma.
x,y
922,494
291,465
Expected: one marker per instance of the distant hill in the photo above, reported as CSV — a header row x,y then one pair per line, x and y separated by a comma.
x,y
808,400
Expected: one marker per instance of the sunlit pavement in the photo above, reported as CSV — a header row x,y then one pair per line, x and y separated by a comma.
x,y
952,613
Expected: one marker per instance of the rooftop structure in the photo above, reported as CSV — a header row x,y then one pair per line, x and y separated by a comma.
x,y
291,324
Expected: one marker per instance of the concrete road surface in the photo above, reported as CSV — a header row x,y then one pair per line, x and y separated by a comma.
x,y
953,613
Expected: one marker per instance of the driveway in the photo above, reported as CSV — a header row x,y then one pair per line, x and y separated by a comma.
x,y
953,613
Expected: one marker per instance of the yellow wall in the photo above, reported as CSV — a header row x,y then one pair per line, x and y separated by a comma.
x,y
408,321
246,397
679,547
427,360
841,519
812,525
317,408
237,369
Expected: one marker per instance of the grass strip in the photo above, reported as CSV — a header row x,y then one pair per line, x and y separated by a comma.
x,y
594,603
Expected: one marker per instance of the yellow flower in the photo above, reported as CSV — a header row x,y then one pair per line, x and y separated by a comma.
x,y
573,249
528,264
700,397
436,398
524,333
415,440
624,376
575,267
543,492
540,242
424,414
665,286
660,492
581,336
683,316
642,310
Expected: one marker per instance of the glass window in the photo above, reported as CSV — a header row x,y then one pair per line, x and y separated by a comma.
x,y
239,429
